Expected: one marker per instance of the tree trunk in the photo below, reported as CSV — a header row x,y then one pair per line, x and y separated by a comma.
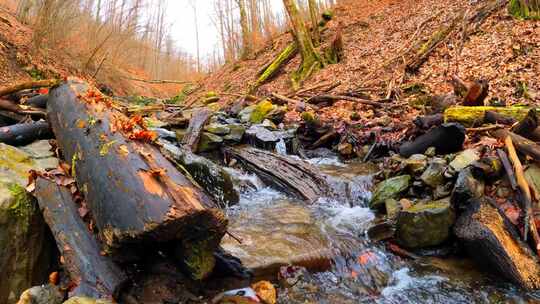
x,y
311,60
525,9
246,43
95,275
137,197
314,13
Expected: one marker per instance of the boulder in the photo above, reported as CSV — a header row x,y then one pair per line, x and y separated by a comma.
x,y
44,294
389,188
217,129
260,137
209,142
467,186
211,177
24,245
493,243
434,174
425,224
416,164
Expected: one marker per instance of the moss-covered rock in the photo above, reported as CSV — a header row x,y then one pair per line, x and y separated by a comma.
x,y
44,294
424,225
24,247
388,189
236,134
217,128
209,142
261,110
416,164
463,159
434,174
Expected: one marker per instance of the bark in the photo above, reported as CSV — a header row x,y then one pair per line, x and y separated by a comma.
x,y
137,197
246,43
527,125
313,13
196,125
27,85
311,60
522,144
96,275
493,243
272,69
23,134
39,101
497,118
13,107
292,176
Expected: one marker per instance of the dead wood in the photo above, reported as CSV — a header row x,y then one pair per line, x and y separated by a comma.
x,y
527,125
332,98
137,197
498,118
522,144
447,138
426,122
196,125
25,133
94,274
27,85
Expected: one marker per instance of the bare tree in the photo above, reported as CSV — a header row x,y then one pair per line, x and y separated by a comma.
x,y
244,25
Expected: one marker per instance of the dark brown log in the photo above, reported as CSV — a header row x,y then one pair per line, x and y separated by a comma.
x,y
527,125
426,122
332,99
94,274
507,168
196,124
493,242
295,177
137,197
448,138
535,135
13,107
27,85
23,134
498,118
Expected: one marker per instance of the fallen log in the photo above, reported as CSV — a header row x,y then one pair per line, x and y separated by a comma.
x,y
270,70
493,242
13,107
492,117
426,122
331,99
447,138
27,85
137,197
527,125
292,176
94,274
196,125
25,133
521,143
39,101
475,116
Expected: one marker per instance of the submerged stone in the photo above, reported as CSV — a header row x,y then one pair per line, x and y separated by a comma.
x,y
389,188
425,224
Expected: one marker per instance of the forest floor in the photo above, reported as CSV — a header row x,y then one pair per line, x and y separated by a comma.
x,y
379,36
19,61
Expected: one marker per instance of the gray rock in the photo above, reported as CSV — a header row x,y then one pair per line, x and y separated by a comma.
x,y
260,137
467,186
41,152
464,159
24,249
389,188
434,174
416,164
267,123
45,294
245,114
236,133
425,224
218,129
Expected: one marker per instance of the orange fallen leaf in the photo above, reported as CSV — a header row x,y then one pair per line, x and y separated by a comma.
x,y
53,278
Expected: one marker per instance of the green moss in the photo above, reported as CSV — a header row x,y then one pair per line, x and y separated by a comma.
x,y
261,110
22,202
275,66
471,116
199,258
521,10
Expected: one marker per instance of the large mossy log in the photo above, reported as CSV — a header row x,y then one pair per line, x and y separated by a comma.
x,y
137,197
491,240
275,66
475,116
295,177
94,274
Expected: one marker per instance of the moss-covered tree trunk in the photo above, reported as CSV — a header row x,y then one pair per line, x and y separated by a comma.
x,y
526,9
313,13
310,58
246,43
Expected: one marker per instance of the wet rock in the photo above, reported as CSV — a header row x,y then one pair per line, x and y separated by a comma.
x,y
389,188
425,224
236,133
45,294
467,186
211,177
260,137
345,149
269,125
448,138
277,114
260,111
393,207
489,168
278,235
434,174
464,159
180,133
84,300
381,231
416,164
217,129
24,246
164,133
493,243
209,142
41,152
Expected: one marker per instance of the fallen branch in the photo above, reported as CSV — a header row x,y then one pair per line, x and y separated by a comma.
x,y
326,98
274,67
28,85
157,81
526,193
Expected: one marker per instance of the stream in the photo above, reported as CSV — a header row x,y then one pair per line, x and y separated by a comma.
x,y
275,229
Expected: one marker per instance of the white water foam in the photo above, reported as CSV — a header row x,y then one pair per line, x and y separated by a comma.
x,y
345,219
402,280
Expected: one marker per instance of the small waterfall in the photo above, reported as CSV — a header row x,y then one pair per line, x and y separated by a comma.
x,y
281,147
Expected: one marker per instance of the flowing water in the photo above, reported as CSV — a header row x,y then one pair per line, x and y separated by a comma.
x,y
276,229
